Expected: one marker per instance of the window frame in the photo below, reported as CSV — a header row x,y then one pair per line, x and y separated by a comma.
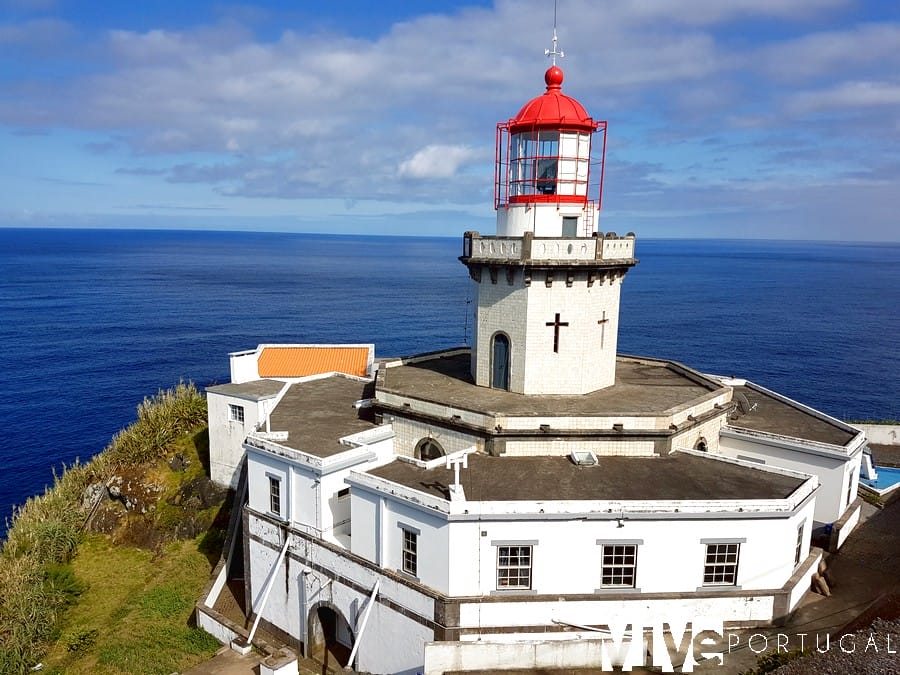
x,y
515,570
236,413
275,501
798,551
611,568
721,566
409,551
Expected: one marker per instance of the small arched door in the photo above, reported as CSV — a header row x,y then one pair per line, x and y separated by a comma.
x,y
500,362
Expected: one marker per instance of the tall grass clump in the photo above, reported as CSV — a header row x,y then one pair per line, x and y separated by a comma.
x,y
44,533
161,420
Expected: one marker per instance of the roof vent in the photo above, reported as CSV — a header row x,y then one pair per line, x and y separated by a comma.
x,y
583,458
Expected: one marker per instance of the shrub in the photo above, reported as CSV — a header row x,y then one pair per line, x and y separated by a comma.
x,y
35,582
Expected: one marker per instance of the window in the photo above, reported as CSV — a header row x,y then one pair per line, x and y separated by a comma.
x,y
721,564
236,413
343,494
513,567
428,448
619,563
799,549
410,551
275,495
850,486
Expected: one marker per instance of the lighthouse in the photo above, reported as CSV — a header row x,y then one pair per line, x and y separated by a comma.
x,y
547,282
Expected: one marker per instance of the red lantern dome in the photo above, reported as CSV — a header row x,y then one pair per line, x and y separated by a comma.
x,y
552,109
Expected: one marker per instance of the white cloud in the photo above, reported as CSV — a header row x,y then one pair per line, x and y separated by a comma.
x,y
832,53
847,95
307,114
436,161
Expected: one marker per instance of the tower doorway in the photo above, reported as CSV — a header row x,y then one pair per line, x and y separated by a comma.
x,y
500,362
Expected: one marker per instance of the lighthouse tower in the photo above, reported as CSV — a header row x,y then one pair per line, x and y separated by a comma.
x,y
547,283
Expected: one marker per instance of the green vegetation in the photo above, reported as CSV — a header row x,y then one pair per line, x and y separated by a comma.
x,y
43,568
771,661
875,500
886,422
138,620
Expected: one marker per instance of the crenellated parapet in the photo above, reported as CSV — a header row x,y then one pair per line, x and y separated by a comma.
x,y
599,250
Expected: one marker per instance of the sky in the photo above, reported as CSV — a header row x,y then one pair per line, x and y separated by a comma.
x,y
727,119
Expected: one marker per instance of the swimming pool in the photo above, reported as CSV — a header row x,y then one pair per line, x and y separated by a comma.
x,y
888,477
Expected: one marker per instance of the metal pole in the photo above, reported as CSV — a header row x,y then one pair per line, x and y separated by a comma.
x,y
269,583
362,624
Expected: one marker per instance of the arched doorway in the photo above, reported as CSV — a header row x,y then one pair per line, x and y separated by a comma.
x,y
329,637
500,361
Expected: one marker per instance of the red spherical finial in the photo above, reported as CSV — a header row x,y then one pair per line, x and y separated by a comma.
x,y
554,78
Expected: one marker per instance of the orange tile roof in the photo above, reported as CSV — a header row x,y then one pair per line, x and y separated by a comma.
x,y
303,361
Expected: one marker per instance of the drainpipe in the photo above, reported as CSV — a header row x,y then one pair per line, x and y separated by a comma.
x,y
269,583
362,624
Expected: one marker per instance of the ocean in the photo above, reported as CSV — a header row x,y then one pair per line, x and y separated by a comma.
x,y
92,321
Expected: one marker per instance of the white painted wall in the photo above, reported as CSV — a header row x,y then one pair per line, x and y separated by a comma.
x,y
833,472
487,656
544,220
377,536
262,465
391,643
244,366
882,434
226,437
310,496
566,556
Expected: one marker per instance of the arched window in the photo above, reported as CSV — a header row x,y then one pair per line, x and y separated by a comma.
x,y
428,448
701,445
500,361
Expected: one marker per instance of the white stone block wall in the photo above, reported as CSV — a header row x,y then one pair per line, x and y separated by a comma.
x,y
408,433
561,447
709,431
586,356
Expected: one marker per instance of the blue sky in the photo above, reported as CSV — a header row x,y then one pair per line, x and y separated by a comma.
x,y
737,118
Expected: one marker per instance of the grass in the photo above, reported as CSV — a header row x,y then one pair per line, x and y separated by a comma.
x,y
136,615
36,586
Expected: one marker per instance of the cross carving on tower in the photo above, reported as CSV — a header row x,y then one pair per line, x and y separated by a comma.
x,y
603,323
556,323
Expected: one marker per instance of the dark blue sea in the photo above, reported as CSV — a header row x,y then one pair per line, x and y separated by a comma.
x,y
92,321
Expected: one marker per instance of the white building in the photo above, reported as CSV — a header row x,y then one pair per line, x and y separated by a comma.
x,y
520,493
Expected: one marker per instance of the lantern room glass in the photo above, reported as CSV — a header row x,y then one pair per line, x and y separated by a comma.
x,y
549,163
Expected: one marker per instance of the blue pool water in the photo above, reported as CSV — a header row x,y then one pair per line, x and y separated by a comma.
x,y
887,477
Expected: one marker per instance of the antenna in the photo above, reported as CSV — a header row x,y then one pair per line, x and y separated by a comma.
x,y
555,51
743,406
455,461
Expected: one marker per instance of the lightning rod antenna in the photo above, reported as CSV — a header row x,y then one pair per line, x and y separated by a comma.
x,y
553,53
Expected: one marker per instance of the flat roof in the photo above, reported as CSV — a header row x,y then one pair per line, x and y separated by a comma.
x,y
317,413
775,416
642,387
677,476
255,390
